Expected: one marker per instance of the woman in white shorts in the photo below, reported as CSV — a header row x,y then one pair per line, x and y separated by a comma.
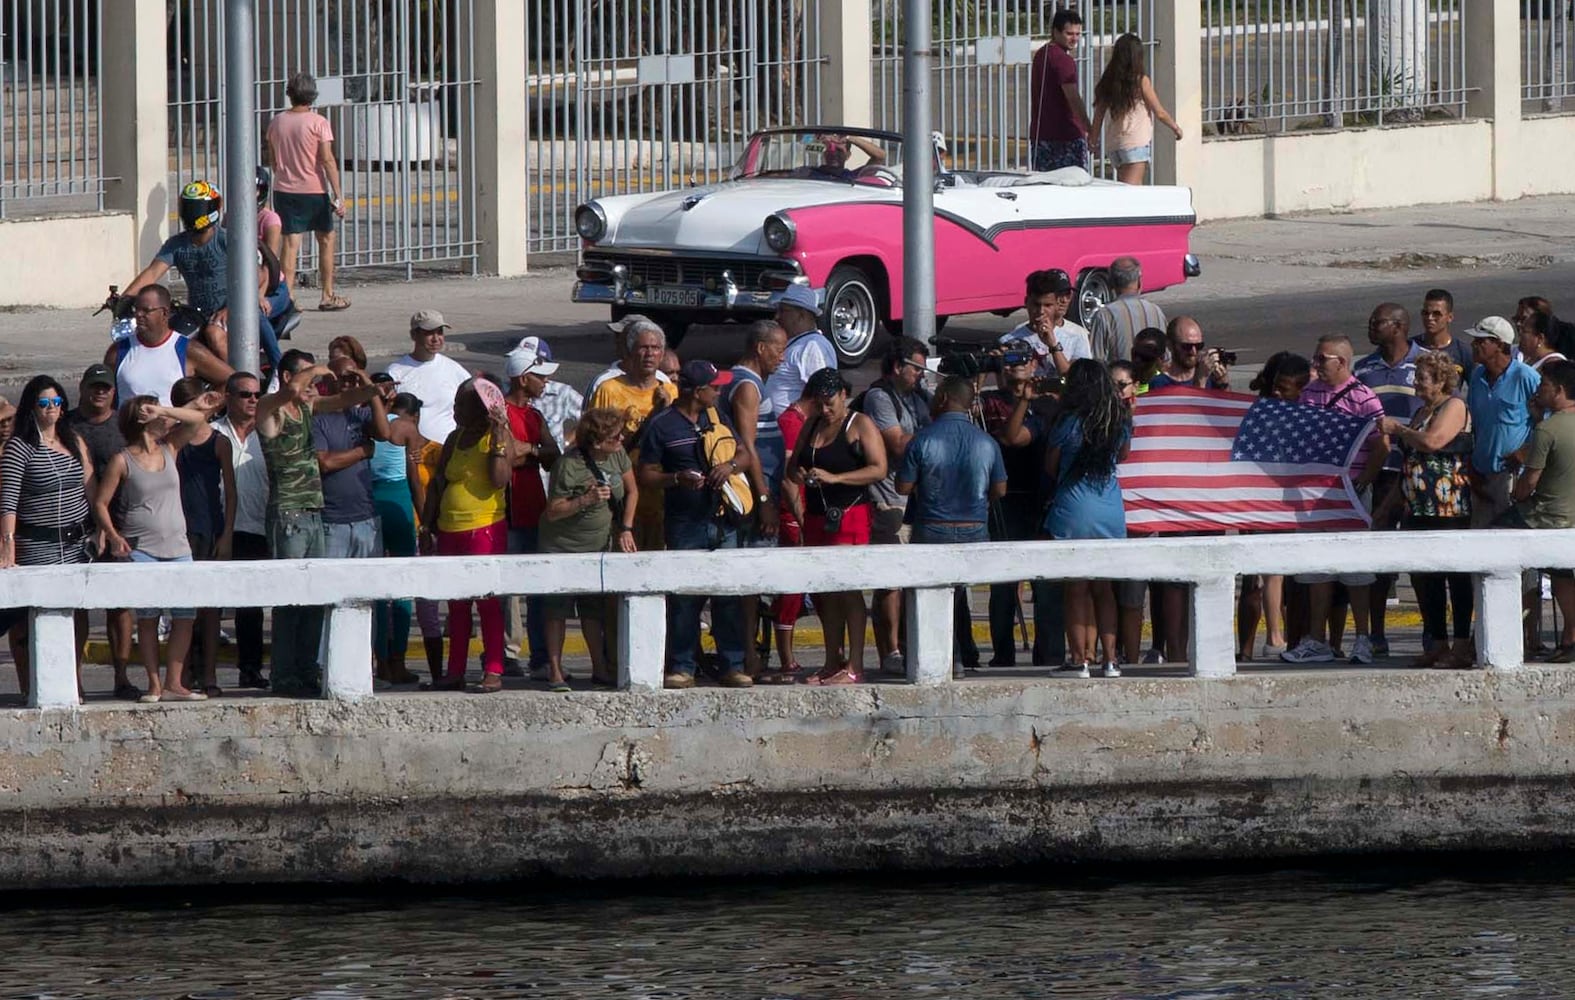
x,y
1126,95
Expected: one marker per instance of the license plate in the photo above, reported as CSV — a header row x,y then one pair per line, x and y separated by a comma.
x,y
674,296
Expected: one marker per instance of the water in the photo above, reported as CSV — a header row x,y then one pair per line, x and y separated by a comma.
x,y
1452,930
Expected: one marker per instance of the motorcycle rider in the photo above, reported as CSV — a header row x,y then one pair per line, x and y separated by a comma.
x,y
200,252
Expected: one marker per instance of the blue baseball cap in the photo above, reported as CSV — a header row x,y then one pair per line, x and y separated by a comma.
x,y
802,297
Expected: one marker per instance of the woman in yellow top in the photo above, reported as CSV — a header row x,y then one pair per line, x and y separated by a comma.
x,y
465,514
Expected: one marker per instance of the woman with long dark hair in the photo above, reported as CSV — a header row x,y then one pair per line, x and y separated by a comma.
x,y
44,512
1126,95
1092,433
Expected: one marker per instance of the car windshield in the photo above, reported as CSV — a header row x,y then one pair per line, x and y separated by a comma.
x,y
845,156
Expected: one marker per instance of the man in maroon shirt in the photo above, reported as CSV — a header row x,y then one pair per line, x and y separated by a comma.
x,y
1058,120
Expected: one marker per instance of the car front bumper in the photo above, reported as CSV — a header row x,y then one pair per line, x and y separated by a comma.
x,y
661,282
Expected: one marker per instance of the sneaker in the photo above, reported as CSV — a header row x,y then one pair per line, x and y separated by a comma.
x,y
538,671
1381,646
678,681
1154,656
1072,670
1309,651
894,665
225,638
512,668
1362,650
1111,670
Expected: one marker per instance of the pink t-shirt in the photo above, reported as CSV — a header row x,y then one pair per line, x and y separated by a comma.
x,y
295,137
267,217
1358,401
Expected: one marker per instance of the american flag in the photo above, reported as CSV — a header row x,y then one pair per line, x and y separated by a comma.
x,y
1212,461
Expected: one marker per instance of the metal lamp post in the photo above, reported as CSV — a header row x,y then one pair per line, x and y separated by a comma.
x,y
240,181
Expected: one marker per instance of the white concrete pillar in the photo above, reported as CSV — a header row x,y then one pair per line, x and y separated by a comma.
x,y
1492,36
928,642
135,117
847,80
52,642
1177,73
1213,630
347,664
1500,641
502,187
642,642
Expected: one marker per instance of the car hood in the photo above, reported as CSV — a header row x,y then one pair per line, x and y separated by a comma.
x,y
720,216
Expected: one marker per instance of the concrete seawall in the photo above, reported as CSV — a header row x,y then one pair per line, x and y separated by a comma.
x,y
436,788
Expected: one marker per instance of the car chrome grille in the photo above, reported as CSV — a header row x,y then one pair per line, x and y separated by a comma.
x,y
663,270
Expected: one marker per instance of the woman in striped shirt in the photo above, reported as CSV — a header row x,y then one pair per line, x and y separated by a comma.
x,y
44,476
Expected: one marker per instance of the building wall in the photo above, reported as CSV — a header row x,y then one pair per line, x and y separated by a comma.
x,y
65,262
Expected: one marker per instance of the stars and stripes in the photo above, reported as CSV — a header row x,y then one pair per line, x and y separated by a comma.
x,y
1212,461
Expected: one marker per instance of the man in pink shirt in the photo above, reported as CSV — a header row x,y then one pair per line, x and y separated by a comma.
x,y
299,147
1335,387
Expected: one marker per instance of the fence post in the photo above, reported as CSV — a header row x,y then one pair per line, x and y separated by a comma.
x,y
1213,632
1492,40
52,642
134,116
1178,79
929,638
502,175
347,669
1500,641
642,642
847,85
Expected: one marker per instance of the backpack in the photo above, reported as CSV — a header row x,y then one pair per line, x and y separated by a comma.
x,y
735,499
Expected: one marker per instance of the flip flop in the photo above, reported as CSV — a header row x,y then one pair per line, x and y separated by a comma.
x,y
334,304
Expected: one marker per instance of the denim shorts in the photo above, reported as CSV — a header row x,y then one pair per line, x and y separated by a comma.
x,y
1135,154
138,556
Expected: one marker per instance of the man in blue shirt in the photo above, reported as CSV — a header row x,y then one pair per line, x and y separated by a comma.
x,y
953,471
1499,397
673,459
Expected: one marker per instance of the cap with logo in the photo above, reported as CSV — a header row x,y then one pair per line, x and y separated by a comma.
x,y
699,373
98,375
428,320
531,356
1493,328
1060,281
800,296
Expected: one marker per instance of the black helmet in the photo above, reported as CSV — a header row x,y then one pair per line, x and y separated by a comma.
x,y
200,202
264,183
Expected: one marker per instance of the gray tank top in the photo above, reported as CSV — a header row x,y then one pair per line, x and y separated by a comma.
x,y
151,517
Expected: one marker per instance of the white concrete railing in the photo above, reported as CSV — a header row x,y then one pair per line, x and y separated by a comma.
x,y
348,587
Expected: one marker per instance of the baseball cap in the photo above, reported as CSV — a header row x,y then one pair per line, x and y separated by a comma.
x,y
531,355
429,320
1493,328
699,372
1060,281
98,375
826,382
800,296
629,319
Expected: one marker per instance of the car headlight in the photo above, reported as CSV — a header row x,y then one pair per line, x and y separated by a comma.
x,y
590,222
780,233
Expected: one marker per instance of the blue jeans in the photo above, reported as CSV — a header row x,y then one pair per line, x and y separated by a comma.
x,y
297,631
683,610
523,540
964,650
355,540
279,302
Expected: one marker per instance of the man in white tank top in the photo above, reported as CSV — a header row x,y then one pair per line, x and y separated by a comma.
x,y
158,357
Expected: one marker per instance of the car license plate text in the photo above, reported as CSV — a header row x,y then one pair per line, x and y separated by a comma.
x,y
674,296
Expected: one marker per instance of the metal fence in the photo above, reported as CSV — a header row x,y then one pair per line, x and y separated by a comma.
x,y
983,54
1286,65
397,81
1545,71
626,98
50,155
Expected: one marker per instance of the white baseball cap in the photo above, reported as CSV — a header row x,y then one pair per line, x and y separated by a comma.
x,y
531,355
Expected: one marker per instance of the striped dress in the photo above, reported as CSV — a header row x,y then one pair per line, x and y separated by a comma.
x,y
44,489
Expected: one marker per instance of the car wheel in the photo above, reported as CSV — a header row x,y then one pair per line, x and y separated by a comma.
x,y
1093,294
852,314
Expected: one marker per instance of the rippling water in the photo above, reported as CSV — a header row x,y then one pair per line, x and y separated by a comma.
x,y
1448,931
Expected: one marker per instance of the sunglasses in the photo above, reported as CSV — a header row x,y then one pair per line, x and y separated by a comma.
x,y
1190,347
139,311
1326,359
247,394
46,402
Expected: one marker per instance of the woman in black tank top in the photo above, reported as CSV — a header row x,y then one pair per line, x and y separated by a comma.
x,y
838,456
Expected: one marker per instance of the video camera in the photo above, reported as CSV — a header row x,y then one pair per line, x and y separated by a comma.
x,y
970,358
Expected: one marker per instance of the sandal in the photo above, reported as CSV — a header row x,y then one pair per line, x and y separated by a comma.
x,y
333,303
846,675
1561,654
790,674
490,684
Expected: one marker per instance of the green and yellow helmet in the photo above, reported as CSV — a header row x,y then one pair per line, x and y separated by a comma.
x,y
200,204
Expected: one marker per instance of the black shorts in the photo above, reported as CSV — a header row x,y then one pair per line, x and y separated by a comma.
x,y
304,213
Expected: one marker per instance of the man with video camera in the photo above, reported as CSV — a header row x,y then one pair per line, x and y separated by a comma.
x,y
1054,340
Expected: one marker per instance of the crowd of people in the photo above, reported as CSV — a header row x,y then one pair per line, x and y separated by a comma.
x,y
163,459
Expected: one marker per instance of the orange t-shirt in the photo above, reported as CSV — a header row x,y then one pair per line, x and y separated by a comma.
x,y
295,137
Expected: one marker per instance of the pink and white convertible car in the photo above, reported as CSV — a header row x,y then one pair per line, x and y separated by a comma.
x,y
822,207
